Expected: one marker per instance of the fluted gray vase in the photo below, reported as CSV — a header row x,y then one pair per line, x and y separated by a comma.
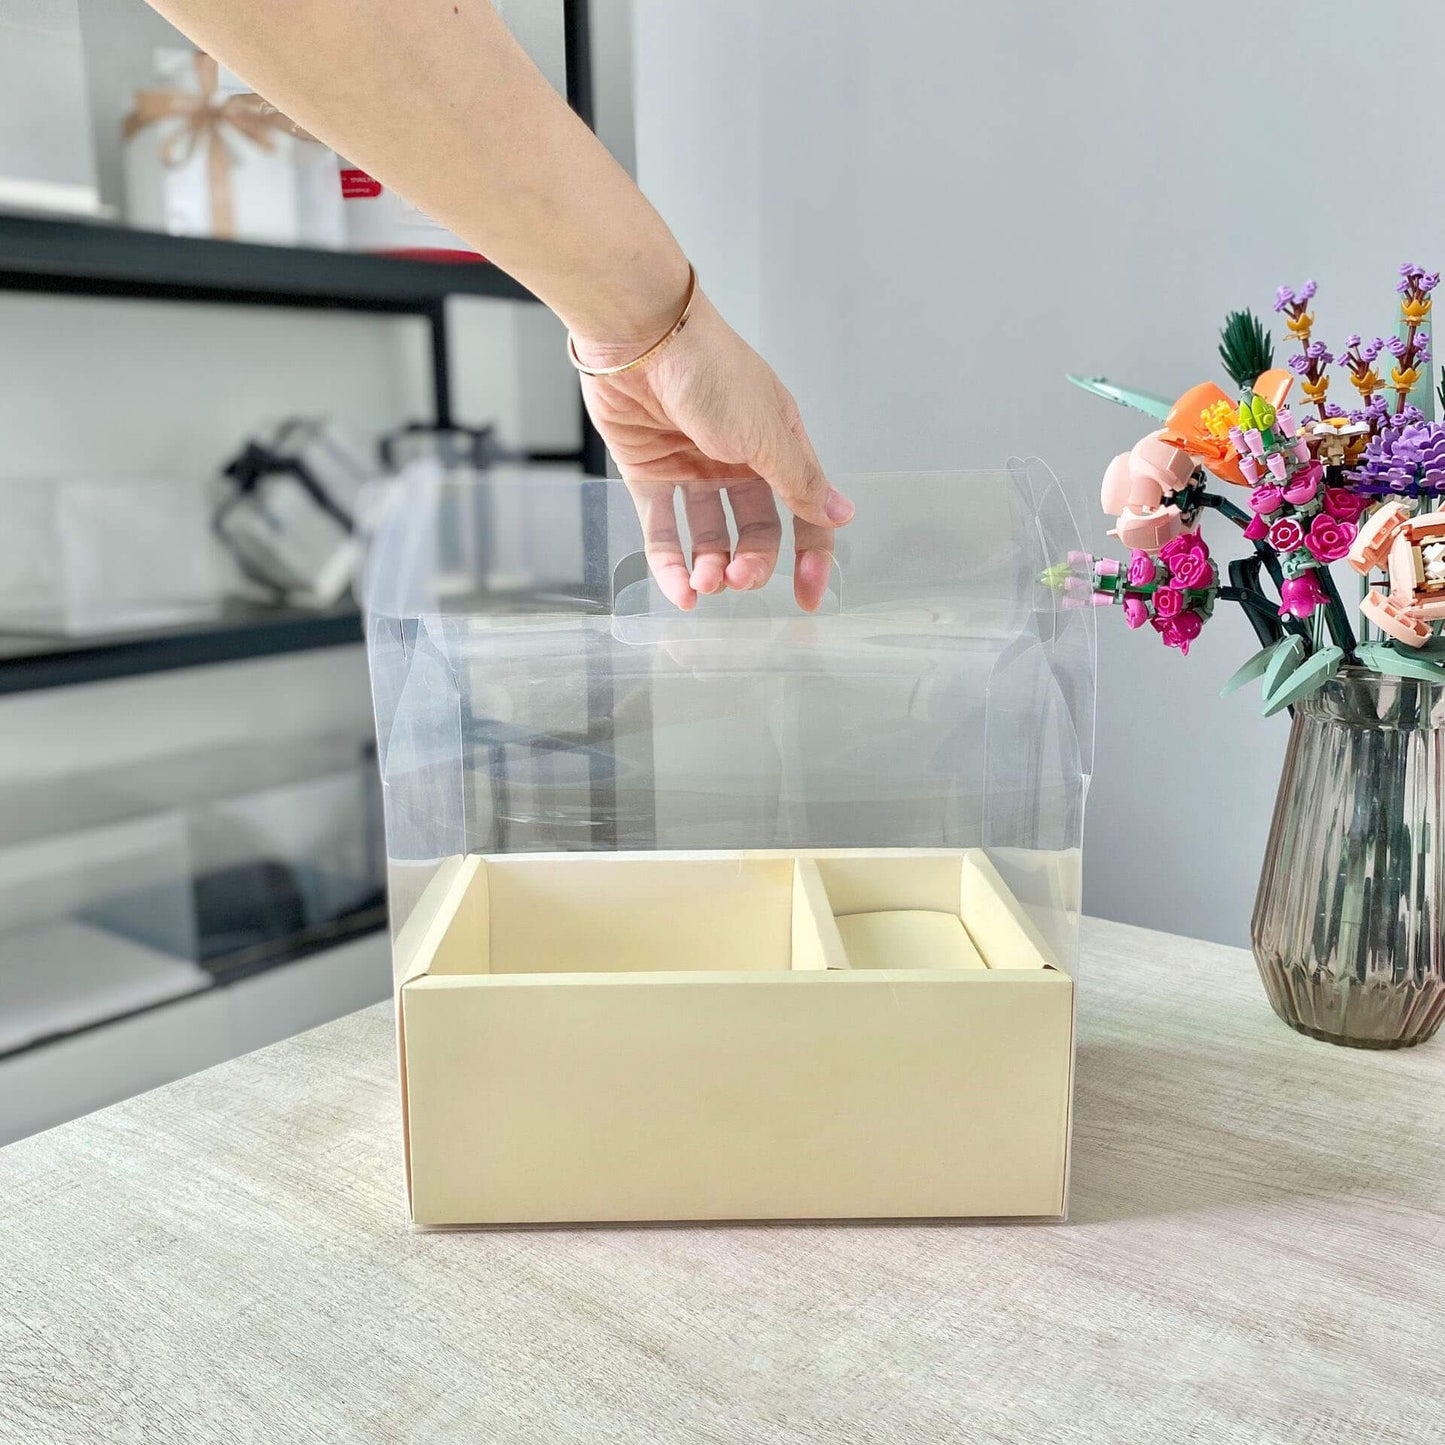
x,y
1347,925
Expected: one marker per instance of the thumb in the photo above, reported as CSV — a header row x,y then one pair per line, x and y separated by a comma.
x,y
785,460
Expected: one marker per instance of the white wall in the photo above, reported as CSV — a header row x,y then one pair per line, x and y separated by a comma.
x,y
926,212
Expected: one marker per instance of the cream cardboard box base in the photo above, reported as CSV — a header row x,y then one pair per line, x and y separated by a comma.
x,y
591,1037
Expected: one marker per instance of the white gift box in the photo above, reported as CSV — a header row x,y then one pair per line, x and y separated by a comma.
x,y
738,912
203,156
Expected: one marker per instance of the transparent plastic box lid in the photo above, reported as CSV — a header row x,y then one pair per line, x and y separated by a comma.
x,y
535,691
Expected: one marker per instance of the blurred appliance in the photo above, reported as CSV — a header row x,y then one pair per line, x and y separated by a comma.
x,y
289,518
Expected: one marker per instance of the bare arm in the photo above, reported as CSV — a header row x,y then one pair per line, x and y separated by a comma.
x,y
438,101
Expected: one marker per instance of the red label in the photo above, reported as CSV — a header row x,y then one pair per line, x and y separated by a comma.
x,y
357,185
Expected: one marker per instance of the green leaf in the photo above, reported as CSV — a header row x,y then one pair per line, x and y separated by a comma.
x,y
1305,679
1151,405
1245,347
1249,670
1395,662
1288,652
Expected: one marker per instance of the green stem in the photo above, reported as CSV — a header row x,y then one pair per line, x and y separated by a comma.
x,y
1268,557
1337,617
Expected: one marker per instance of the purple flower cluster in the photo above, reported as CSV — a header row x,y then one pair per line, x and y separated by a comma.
x,y
1294,301
1417,351
1362,351
1414,281
1312,360
1406,457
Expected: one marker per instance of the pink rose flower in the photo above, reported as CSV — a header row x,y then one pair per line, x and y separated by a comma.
x,y
1305,484
1193,571
1181,631
1266,499
1257,531
1136,614
1184,542
1299,596
1329,538
1286,535
1188,559
1168,602
1141,569
1343,505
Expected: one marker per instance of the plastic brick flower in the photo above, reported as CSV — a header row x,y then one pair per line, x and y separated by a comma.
x,y
1406,457
1180,631
1141,569
1217,419
1299,596
1188,560
1136,613
1295,306
1266,499
1286,535
1343,505
1168,602
1328,539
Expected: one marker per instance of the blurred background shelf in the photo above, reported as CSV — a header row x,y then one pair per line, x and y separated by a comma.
x,y
85,258
191,867
243,630
89,1069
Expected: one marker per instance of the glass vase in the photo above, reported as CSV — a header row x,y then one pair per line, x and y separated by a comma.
x,y
1347,924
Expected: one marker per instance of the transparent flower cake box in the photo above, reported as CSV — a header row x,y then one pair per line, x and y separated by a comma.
x,y
739,912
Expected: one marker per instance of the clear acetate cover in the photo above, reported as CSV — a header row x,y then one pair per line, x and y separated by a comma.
x,y
535,690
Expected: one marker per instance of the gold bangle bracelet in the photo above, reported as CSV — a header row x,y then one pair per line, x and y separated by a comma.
x,y
652,350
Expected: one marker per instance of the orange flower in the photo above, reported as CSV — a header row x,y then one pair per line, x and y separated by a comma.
x,y
1194,421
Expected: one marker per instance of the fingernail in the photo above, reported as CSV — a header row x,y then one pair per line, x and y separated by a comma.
x,y
838,507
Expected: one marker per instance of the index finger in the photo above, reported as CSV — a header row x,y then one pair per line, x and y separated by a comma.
x,y
812,563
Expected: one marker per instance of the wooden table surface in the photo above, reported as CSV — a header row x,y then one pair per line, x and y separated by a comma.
x,y
1256,1254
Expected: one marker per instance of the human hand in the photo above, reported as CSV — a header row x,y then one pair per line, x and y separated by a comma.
x,y
706,416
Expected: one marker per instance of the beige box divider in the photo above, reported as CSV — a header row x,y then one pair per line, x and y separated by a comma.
x,y
607,1037
816,940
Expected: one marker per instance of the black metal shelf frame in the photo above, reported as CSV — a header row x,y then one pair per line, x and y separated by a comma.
x,y
33,662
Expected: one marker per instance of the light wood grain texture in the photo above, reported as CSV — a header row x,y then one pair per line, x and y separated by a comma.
x,y
1257,1255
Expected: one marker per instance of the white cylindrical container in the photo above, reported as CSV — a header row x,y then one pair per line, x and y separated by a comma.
x,y
379,220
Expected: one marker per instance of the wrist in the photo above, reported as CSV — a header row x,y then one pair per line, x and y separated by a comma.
x,y
624,320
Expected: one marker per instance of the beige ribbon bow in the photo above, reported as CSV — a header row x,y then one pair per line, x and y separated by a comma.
x,y
203,117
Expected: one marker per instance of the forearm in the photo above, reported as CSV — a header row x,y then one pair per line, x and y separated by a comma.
x,y
437,100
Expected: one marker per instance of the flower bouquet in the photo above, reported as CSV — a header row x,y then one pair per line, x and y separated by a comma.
x,y
1346,926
